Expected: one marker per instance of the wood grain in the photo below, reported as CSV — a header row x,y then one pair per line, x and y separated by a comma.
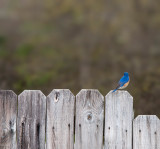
x,y
89,119
31,120
118,120
60,119
8,112
146,132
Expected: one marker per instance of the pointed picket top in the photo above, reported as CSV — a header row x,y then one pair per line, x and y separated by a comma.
x,y
120,93
9,91
58,93
143,118
31,91
94,91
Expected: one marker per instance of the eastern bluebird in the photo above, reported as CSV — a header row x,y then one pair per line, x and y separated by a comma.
x,y
123,82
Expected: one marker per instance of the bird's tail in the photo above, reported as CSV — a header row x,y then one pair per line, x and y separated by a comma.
x,y
114,90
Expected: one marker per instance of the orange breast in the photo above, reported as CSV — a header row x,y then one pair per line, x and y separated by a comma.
x,y
126,84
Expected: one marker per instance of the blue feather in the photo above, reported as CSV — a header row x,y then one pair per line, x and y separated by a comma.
x,y
114,90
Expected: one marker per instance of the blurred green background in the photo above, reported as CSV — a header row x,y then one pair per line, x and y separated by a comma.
x,y
75,44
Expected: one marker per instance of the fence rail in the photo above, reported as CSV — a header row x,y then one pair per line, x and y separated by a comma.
x,y
63,121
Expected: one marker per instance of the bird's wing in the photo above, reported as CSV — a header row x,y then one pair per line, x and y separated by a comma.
x,y
121,82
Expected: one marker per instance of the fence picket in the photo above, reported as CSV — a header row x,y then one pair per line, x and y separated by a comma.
x,y
118,120
89,120
31,120
8,112
146,132
60,119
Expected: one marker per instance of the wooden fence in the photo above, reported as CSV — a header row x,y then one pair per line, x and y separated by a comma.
x,y
63,121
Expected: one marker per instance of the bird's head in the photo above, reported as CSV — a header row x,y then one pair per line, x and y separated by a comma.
x,y
126,74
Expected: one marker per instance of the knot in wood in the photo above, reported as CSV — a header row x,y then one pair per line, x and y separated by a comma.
x,y
57,94
89,116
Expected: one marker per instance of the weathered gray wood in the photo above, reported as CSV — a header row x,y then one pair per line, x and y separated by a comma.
x,y
146,132
8,112
60,119
89,120
31,120
118,120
